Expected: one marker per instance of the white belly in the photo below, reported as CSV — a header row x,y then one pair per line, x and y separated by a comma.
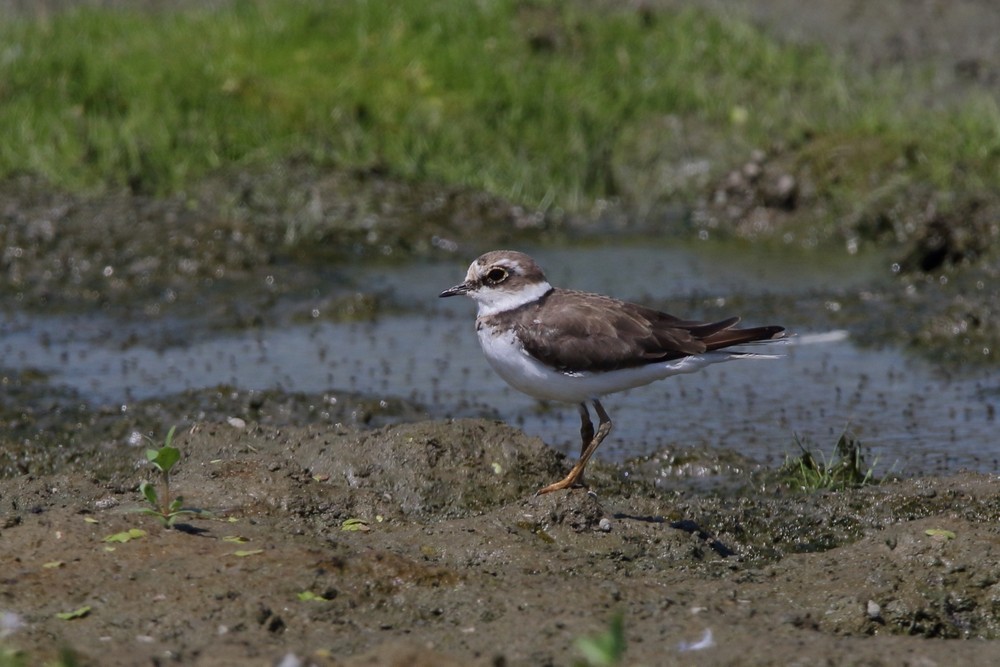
x,y
528,375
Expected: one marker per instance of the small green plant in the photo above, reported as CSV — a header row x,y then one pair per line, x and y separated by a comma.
x,y
845,468
10,657
162,505
606,649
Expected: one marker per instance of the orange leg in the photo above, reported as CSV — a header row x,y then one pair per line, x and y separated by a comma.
x,y
575,476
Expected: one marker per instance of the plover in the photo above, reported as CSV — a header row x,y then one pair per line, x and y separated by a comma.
x,y
574,347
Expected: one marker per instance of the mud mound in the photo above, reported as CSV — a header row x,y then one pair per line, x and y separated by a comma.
x,y
419,471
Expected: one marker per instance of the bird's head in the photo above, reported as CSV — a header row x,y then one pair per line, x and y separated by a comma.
x,y
502,280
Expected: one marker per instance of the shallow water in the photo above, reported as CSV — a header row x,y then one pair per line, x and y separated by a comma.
x,y
916,417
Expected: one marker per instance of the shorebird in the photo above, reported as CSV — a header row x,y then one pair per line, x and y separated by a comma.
x,y
576,347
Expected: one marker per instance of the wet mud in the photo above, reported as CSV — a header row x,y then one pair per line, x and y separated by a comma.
x,y
452,560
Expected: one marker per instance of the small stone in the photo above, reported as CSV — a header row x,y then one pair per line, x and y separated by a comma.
x,y
604,525
752,171
106,503
782,192
10,623
290,660
873,610
735,181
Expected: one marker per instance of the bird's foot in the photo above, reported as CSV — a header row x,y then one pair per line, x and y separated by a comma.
x,y
569,482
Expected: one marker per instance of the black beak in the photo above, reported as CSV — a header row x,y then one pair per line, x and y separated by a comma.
x,y
455,291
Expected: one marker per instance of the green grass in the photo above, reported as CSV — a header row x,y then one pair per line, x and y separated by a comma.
x,y
13,658
844,468
536,101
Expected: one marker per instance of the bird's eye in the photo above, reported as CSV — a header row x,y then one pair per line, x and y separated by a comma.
x,y
496,275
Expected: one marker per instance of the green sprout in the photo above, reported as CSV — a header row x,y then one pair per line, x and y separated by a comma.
x,y
10,657
845,468
606,649
162,505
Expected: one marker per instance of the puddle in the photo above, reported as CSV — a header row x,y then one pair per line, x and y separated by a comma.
x,y
915,417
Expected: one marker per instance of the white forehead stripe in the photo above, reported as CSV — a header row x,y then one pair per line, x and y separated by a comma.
x,y
477,270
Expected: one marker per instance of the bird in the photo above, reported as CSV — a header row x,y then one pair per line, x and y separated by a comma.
x,y
577,347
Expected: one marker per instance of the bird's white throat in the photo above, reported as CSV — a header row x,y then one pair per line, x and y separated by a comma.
x,y
493,300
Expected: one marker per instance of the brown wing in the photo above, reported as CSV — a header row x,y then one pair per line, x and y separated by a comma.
x,y
588,332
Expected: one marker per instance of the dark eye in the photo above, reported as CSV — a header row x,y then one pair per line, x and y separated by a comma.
x,y
496,275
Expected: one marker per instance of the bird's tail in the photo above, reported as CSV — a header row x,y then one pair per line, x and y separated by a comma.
x,y
730,337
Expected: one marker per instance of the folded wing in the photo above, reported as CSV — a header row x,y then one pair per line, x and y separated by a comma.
x,y
577,332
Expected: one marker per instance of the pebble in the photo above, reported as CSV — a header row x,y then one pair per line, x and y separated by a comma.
x,y
290,660
106,503
604,525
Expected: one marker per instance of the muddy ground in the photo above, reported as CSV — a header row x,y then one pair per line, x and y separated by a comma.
x,y
460,563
